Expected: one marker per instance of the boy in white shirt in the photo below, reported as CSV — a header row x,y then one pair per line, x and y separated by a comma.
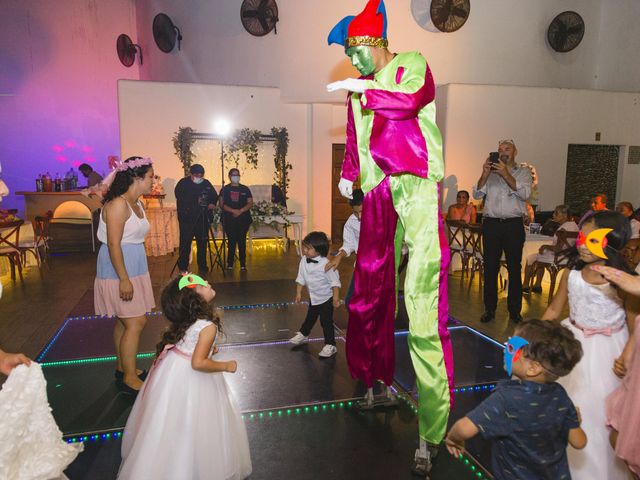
x,y
350,238
324,291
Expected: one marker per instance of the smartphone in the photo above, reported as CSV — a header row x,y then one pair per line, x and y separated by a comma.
x,y
494,157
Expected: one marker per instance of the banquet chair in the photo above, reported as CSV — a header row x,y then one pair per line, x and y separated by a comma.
x,y
559,262
9,246
458,243
40,241
474,239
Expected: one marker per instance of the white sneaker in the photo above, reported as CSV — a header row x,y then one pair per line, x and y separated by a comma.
x,y
298,339
328,351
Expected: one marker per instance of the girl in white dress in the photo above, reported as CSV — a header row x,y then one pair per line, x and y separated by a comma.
x,y
601,317
185,423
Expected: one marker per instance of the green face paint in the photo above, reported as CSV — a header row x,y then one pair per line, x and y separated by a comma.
x,y
362,59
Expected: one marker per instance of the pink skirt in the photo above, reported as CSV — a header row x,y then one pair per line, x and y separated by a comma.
x,y
623,410
106,289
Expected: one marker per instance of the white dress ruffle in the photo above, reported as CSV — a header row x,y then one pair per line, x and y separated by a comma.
x,y
31,444
595,307
185,424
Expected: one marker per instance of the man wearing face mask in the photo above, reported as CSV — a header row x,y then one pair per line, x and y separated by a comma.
x,y
195,197
236,202
395,147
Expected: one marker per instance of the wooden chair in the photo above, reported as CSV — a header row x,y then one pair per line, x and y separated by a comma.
x,y
458,243
559,262
40,241
474,241
9,246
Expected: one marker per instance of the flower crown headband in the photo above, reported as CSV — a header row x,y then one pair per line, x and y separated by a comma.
x,y
131,164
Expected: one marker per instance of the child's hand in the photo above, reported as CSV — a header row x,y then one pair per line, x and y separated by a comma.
x,y
336,303
619,367
298,298
232,366
455,449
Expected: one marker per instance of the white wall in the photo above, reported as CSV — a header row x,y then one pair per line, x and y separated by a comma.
x,y
58,98
502,43
150,113
542,122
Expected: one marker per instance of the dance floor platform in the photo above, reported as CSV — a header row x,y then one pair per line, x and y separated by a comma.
x,y
301,411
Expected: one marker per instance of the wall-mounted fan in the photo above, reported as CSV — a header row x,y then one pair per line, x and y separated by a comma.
x,y
449,15
127,50
259,17
165,33
565,31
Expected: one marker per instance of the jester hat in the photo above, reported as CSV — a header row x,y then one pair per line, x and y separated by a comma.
x,y
369,27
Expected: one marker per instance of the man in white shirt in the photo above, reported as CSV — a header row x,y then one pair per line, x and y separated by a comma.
x,y
324,291
505,187
350,238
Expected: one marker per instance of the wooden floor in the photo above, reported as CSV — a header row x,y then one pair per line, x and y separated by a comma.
x,y
31,312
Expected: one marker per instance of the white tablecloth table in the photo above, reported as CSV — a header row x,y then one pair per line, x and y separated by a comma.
x,y
295,220
164,234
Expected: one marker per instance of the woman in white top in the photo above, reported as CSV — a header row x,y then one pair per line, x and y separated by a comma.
x,y
546,253
122,286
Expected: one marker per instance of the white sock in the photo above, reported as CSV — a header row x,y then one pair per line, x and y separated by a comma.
x,y
423,448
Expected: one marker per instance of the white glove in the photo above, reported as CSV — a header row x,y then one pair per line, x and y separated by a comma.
x,y
346,187
351,84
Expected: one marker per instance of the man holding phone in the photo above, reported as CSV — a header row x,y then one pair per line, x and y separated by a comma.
x,y
505,187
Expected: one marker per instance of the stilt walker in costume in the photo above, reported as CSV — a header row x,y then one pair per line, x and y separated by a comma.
x,y
395,147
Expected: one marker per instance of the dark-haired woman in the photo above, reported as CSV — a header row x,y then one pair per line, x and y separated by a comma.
x,y
122,286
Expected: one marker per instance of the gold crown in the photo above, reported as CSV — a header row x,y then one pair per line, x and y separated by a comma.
x,y
367,40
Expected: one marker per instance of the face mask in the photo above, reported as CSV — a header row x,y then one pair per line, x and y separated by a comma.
x,y
512,352
197,180
362,59
235,179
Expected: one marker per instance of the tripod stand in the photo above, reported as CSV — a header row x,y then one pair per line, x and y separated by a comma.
x,y
215,256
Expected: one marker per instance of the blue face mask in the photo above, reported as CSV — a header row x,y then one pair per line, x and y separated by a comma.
x,y
197,180
512,352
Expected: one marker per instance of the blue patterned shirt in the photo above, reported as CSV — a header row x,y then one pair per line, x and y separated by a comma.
x,y
528,424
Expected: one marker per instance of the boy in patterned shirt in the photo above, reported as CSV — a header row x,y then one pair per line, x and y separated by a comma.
x,y
529,419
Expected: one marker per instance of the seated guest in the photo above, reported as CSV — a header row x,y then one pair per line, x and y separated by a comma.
x,y
546,252
93,178
598,204
626,209
530,216
462,210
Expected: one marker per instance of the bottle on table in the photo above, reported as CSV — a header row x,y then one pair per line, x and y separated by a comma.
x,y
39,186
58,183
47,185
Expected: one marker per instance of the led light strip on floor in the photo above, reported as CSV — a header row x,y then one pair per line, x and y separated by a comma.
x,y
222,307
303,409
112,358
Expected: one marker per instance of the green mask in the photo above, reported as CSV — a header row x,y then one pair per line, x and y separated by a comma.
x,y
362,59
